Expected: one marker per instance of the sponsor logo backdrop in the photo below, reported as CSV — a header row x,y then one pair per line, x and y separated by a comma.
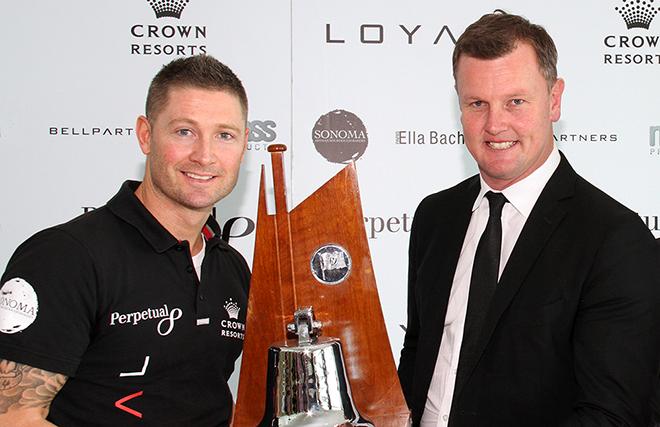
x,y
335,81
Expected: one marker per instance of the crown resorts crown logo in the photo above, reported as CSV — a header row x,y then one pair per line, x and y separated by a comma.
x,y
232,309
637,13
171,8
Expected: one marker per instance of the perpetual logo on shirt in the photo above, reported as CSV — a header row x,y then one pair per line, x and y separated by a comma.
x,y
165,316
18,306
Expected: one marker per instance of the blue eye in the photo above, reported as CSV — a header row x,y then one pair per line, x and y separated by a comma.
x,y
184,132
477,103
226,136
517,101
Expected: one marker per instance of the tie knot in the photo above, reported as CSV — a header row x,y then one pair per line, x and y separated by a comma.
x,y
496,202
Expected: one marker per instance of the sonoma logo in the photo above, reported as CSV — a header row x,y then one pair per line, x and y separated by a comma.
x,y
339,135
18,306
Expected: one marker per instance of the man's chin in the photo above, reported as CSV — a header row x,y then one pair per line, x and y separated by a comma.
x,y
201,200
196,202
201,206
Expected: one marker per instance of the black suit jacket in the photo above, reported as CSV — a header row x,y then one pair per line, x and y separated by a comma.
x,y
572,335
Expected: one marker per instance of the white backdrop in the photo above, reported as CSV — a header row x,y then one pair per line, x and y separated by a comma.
x,y
75,74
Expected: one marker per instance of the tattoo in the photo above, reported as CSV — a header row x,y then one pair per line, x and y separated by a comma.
x,y
22,386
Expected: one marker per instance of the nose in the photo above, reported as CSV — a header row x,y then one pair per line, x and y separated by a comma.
x,y
202,152
496,121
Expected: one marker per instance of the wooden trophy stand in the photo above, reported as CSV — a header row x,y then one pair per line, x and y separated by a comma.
x,y
286,252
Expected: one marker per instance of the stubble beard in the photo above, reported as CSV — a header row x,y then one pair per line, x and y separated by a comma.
x,y
196,200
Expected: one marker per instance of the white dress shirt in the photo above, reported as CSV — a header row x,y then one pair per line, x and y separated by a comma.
x,y
521,196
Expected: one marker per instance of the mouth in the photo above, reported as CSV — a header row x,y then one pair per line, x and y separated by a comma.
x,y
199,177
501,145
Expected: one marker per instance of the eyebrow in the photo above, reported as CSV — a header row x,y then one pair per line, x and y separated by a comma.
x,y
510,95
195,123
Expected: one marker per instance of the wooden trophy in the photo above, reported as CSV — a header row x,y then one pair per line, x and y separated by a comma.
x,y
312,277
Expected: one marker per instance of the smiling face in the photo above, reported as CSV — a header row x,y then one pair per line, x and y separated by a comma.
x,y
194,147
507,111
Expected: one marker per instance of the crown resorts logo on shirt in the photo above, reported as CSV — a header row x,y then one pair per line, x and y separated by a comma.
x,y
232,327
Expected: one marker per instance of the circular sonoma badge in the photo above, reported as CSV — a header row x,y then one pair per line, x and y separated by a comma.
x,y
18,306
331,264
340,136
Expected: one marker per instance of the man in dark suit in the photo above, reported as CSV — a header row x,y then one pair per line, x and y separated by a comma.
x,y
534,298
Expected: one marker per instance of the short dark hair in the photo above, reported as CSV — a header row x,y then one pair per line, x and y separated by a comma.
x,y
199,71
497,34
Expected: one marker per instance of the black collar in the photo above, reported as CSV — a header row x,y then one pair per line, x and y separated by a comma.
x,y
128,207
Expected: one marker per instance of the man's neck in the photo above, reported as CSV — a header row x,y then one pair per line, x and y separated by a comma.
x,y
183,223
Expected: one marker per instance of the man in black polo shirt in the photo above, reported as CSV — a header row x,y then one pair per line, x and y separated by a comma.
x,y
134,313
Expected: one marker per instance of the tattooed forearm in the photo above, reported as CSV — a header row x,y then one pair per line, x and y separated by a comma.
x,y
22,386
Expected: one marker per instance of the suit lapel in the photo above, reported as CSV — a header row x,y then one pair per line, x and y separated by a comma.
x,y
547,214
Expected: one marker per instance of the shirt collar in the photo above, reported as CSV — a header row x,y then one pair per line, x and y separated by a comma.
x,y
523,194
128,207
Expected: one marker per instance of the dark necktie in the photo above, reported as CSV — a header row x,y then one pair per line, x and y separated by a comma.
x,y
484,280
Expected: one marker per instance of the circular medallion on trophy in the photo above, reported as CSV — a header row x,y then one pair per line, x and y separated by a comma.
x,y
330,264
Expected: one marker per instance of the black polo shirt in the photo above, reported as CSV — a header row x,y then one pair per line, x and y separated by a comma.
x,y
111,299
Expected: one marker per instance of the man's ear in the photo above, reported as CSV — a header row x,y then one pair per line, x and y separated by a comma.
x,y
143,132
555,99
245,142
